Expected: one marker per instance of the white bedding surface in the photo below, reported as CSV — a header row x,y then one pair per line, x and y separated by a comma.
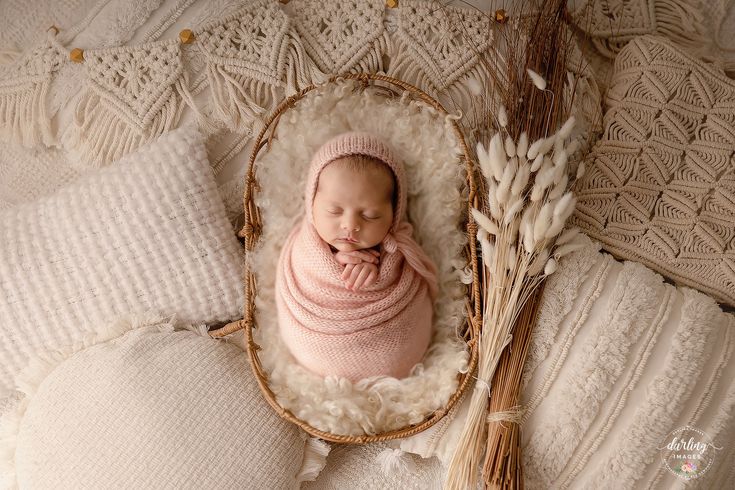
x,y
692,374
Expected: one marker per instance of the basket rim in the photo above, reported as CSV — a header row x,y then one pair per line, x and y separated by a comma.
x,y
251,231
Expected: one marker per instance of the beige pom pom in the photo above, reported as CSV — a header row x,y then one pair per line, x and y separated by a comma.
x,y
539,262
567,236
533,150
565,206
543,221
537,163
512,210
521,180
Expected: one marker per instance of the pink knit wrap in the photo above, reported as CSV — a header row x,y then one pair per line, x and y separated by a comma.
x,y
383,329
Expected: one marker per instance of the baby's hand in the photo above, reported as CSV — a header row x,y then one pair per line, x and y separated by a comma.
x,y
359,275
358,256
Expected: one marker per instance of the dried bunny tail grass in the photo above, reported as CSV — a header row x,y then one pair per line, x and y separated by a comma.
x,y
567,236
502,116
522,144
510,147
523,107
485,223
496,155
537,79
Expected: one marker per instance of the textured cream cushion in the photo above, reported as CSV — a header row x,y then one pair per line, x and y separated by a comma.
x,y
358,467
146,233
660,188
155,408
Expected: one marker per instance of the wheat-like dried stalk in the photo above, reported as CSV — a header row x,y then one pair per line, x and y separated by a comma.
x,y
525,165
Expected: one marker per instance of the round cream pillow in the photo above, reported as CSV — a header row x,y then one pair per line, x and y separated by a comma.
x,y
155,408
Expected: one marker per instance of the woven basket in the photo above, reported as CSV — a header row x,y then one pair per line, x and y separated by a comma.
x,y
251,232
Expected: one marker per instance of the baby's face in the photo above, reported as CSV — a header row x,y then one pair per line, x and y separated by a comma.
x,y
353,209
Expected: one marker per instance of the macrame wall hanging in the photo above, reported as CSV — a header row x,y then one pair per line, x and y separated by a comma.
x,y
237,67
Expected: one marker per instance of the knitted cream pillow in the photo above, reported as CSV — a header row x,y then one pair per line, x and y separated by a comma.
x,y
153,408
661,182
146,233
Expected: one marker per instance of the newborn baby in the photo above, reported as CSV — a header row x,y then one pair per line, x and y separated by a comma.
x,y
354,291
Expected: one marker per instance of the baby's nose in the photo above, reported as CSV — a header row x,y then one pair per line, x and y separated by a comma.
x,y
350,224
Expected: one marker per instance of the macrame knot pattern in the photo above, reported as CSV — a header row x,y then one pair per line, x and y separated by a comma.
x,y
139,80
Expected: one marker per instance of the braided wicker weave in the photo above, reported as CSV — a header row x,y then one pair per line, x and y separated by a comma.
x,y
251,232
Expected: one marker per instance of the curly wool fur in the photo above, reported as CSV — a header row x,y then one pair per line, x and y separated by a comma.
x,y
437,192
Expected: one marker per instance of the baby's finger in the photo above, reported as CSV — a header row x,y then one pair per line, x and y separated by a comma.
x,y
350,280
348,271
364,273
371,278
345,258
364,256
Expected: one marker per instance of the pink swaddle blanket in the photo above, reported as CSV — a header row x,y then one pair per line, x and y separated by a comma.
x,y
383,329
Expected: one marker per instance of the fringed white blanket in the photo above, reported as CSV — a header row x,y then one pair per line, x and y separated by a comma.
x,y
617,361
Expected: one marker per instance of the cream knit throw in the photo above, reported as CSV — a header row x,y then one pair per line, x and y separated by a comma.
x,y
661,182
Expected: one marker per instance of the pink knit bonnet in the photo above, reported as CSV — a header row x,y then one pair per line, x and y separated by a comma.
x,y
356,143
399,234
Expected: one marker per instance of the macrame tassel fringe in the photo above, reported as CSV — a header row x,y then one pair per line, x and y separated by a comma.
x,y
459,91
300,69
404,66
239,99
315,459
23,113
372,60
679,20
101,133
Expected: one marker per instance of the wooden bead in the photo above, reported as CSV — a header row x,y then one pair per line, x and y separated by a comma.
x,y
76,55
500,16
186,36
391,3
